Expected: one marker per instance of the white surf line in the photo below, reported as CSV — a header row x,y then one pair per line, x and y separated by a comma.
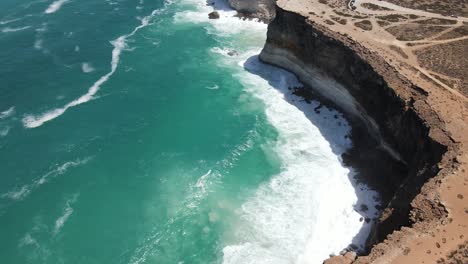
x,y
55,6
7,113
10,29
67,212
4,22
22,192
33,121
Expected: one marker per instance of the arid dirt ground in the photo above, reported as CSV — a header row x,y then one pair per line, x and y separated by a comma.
x,y
427,42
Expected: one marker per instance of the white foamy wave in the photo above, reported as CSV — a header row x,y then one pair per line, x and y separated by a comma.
x,y
307,211
4,131
27,240
38,44
201,183
7,113
213,87
22,192
67,212
55,6
200,189
226,26
4,22
87,67
119,44
39,41
10,29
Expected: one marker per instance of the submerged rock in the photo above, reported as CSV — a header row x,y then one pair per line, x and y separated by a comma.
x,y
233,53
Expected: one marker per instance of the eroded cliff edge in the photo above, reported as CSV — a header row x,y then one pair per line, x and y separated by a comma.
x,y
416,150
262,9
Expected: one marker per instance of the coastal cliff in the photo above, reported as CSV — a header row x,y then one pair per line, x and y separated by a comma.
x,y
262,9
408,133
390,108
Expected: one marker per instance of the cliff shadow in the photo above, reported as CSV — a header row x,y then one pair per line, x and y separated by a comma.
x,y
312,106
219,5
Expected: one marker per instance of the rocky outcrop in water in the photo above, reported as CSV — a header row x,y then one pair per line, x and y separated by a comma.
x,y
407,135
262,9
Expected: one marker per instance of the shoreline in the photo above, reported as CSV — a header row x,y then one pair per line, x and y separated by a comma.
x,y
423,185
366,207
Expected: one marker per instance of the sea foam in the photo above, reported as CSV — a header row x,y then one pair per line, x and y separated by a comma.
x,y
4,131
67,212
55,6
87,67
10,29
119,45
7,113
22,192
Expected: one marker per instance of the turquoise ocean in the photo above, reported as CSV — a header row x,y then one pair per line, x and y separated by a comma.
x,y
140,131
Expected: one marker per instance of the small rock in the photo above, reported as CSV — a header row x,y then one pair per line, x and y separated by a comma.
x,y
213,15
364,208
406,251
351,255
232,53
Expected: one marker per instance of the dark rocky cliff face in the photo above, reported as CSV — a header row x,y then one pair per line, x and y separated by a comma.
x,y
387,106
262,9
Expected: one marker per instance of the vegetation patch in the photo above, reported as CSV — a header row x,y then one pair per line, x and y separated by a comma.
x,y
399,51
339,20
375,7
342,14
411,32
364,24
444,7
457,32
447,59
383,23
393,18
436,21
